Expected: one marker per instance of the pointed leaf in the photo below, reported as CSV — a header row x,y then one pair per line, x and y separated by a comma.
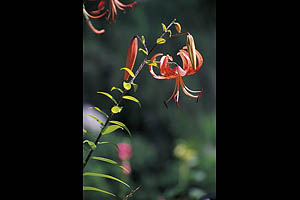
x,y
132,99
115,145
99,110
105,176
115,88
164,27
109,96
90,143
122,125
128,70
96,118
110,129
144,51
98,190
110,161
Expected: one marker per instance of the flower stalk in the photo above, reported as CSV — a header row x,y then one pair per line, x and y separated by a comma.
x,y
125,92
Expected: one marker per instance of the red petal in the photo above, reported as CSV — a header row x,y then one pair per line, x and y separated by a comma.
x,y
94,29
165,69
151,68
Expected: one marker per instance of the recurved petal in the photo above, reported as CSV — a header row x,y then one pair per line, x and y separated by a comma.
x,y
186,62
165,69
119,4
151,67
199,62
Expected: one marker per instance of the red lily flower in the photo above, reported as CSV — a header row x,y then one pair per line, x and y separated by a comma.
x,y
113,4
178,72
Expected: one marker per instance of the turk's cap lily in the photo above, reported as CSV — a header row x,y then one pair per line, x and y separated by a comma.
x,y
166,72
131,56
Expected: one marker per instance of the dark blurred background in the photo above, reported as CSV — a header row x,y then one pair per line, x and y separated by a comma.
x,y
174,150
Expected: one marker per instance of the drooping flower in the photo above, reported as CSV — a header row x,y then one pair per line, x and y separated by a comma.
x,y
131,55
112,11
178,72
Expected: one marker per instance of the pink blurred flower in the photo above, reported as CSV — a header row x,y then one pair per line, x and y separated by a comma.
x,y
125,152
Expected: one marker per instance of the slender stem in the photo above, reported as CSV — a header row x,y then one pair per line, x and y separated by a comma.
x,y
121,97
152,49
103,128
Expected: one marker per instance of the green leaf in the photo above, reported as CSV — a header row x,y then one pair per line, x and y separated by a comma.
x,y
128,70
132,99
164,27
144,51
160,41
105,176
109,96
116,109
84,131
110,161
122,125
135,87
115,88
90,143
127,86
99,110
110,129
115,145
98,190
170,32
96,118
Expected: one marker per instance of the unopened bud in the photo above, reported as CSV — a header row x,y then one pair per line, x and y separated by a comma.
x,y
131,56
178,27
191,50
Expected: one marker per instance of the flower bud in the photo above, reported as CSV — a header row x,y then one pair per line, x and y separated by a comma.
x,y
178,27
191,50
131,56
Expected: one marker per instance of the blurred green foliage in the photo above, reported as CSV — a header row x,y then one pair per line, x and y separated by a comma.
x,y
174,150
